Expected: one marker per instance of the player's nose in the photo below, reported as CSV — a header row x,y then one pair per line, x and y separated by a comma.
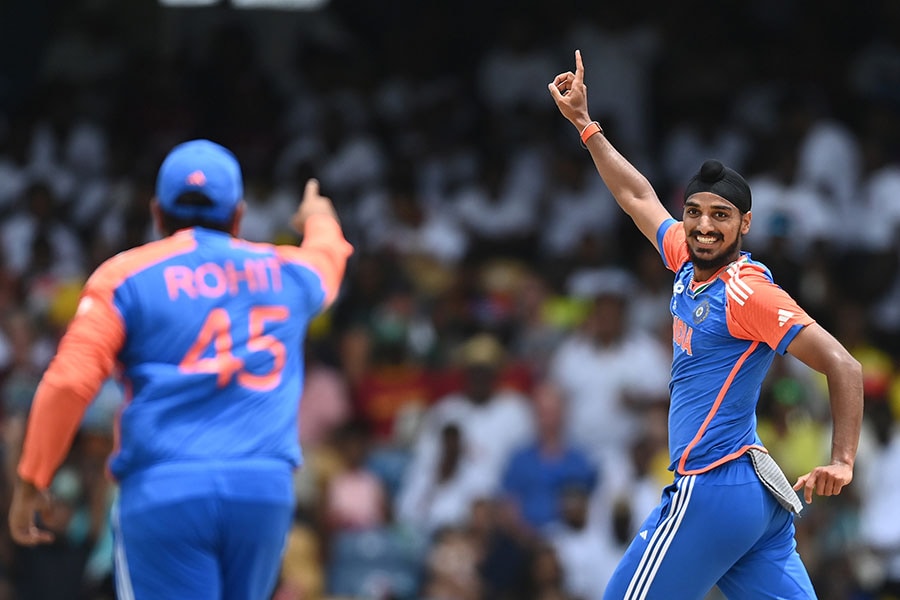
x,y
705,224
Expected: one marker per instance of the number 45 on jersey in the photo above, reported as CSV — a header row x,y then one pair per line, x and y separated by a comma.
x,y
216,332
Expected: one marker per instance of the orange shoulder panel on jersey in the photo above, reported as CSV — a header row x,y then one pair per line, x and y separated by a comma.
x,y
85,358
674,246
756,308
324,250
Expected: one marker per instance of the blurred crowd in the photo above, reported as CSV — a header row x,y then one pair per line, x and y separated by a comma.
x,y
484,411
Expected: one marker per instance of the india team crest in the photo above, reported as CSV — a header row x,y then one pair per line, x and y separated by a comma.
x,y
701,312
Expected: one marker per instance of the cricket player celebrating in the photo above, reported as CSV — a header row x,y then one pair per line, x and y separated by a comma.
x,y
206,331
727,520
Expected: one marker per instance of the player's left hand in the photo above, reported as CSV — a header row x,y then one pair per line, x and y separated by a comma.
x,y
824,481
27,502
313,203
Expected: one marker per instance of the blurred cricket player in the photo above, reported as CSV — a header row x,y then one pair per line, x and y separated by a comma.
x,y
206,332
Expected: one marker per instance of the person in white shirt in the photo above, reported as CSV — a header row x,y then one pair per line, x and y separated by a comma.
x,y
493,421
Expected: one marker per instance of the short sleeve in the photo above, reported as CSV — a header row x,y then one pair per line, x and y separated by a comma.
x,y
757,309
672,244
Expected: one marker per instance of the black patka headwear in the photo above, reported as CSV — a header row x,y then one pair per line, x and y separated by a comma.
x,y
718,179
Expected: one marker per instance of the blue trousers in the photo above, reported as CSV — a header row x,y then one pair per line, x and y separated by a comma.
x,y
718,528
210,533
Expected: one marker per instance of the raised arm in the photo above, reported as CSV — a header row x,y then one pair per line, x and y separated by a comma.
x,y
821,351
323,247
630,188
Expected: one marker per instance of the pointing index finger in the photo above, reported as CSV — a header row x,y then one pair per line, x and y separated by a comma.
x,y
312,187
579,68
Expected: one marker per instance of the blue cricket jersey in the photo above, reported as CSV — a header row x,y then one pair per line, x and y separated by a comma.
x,y
725,333
207,332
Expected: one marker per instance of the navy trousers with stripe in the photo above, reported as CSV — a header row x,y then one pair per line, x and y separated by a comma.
x,y
718,528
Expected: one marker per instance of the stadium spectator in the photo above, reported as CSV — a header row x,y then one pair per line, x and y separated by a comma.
x,y
537,473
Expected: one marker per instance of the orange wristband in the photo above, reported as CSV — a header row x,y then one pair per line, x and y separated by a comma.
x,y
589,130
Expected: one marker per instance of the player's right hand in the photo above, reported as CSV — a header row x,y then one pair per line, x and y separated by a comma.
x,y
27,501
570,94
313,203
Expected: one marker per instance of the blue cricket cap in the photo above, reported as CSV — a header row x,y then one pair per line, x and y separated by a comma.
x,y
204,167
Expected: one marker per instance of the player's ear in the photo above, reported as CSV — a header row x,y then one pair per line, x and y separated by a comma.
x,y
745,222
156,213
238,215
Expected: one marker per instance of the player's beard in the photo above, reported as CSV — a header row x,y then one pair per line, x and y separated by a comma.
x,y
718,261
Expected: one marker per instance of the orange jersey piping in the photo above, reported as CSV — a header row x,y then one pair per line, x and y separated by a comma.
x,y
709,417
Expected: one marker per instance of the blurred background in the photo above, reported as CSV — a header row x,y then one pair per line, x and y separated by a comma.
x,y
484,408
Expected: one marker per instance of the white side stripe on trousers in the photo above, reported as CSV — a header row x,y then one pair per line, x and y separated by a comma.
x,y
124,591
655,552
